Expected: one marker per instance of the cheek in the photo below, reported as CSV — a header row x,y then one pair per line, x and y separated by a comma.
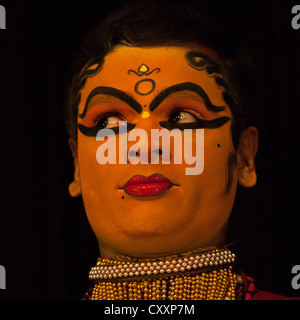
x,y
218,146
218,151
92,175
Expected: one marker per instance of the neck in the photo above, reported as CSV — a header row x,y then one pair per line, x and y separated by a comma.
x,y
204,273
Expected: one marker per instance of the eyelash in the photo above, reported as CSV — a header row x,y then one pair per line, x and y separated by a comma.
x,y
194,114
199,123
100,116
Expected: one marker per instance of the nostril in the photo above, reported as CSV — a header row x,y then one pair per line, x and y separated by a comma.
x,y
133,153
158,151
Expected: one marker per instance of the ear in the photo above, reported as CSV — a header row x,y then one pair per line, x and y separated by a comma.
x,y
247,149
75,185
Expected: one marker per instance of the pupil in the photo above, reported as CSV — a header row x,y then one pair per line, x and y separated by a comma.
x,y
175,117
102,123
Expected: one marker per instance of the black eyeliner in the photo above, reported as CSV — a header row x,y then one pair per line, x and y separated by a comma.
x,y
92,131
198,124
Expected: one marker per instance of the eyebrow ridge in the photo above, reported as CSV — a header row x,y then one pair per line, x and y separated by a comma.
x,y
112,92
190,86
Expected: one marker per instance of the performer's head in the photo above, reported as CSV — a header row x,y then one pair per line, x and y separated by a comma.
x,y
159,67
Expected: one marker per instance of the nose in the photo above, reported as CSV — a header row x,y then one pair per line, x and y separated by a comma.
x,y
142,148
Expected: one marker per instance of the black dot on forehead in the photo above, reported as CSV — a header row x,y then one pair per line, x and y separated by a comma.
x,y
219,146
123,197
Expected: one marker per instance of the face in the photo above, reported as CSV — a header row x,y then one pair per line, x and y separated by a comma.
x,y
155,88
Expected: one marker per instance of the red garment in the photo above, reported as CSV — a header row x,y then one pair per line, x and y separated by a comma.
x,y
253,293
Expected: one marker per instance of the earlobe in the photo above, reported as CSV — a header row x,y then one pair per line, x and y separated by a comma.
x,y
75,185
247,149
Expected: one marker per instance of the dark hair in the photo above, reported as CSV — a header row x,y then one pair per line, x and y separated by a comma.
x,y
164,23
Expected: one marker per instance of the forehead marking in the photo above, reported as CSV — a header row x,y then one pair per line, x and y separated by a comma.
x,y
145,114
144,87
143,70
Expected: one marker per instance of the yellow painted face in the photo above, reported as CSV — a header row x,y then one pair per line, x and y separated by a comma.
x,y
155,88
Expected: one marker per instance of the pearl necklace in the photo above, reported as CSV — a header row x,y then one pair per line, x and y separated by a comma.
x,y
197,274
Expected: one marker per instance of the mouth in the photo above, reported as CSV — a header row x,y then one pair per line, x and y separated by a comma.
x,y
147,186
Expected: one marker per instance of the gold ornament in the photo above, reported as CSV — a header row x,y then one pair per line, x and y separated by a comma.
x,y
191,276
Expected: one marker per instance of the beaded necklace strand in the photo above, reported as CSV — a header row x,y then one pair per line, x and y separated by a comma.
x,y
196,275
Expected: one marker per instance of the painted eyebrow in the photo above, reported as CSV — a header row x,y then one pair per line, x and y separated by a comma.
x,y
186,86
114,93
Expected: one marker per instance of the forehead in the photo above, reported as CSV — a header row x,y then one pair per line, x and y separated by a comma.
x,y
144,72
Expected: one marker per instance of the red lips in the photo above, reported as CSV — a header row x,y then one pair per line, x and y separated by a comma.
x,y
143,186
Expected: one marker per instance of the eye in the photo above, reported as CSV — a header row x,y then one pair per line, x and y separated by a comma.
x,y
108,121
182,117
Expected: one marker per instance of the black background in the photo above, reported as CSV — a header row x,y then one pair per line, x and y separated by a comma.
x,y
46,244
